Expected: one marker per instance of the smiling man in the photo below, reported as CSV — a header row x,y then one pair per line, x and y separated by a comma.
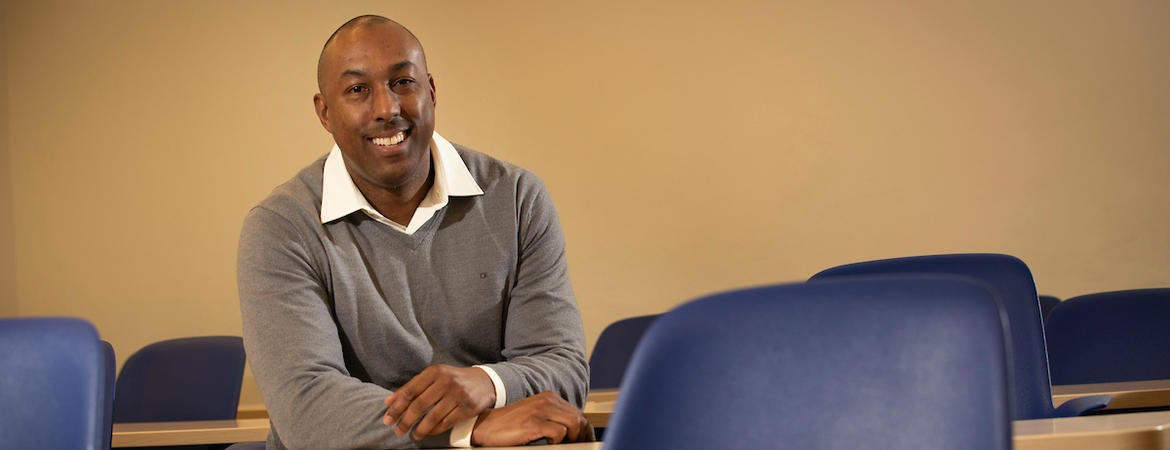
x,y
403,291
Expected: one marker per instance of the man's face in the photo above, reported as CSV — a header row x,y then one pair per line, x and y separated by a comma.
x,y
378,102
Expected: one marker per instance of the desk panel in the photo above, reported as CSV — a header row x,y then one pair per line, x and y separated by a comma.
x,y
1134,431
1137,431
599,405
1127,395
146,434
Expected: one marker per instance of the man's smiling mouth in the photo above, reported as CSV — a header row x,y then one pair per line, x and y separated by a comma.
x,y
392,140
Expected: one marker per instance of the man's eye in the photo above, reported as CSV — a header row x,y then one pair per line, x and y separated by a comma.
x,y
403,85
356,89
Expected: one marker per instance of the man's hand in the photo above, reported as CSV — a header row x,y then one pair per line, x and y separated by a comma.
x,y
544,415
446,395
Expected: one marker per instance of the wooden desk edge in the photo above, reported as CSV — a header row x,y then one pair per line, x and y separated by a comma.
x,y
597,419
1153,437
145,434
599,406
259,411
1136,394
252,411
1140,431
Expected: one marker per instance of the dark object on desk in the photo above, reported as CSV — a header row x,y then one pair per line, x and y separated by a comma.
x,y
1011,281
612,352
1110,337
851,363
51,394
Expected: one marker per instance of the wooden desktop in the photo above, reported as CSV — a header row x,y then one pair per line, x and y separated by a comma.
x,y
1133,431
1126,395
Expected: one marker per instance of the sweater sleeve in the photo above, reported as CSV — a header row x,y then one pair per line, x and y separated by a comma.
x,y
544,343
294,347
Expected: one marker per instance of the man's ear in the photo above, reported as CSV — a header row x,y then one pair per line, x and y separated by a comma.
x,y
431,81
322,110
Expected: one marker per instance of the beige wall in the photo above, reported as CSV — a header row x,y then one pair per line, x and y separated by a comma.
x,y
7,251
690,146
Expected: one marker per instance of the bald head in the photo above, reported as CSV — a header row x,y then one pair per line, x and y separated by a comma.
x,y
377,99
346,33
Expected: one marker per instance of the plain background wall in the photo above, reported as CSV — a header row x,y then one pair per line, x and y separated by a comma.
x,y
7,252
690,146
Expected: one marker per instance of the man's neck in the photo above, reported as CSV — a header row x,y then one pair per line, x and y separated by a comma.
x,y
399,204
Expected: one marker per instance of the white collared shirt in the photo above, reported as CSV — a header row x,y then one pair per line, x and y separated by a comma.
x,y
341,197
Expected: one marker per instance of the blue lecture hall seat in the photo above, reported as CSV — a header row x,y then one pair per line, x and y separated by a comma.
x,y
853,363
109,375
1110,337
195,378
1011,282
1047,302
52,394
612,352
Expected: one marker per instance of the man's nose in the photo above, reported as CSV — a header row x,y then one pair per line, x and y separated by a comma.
x,y
386,104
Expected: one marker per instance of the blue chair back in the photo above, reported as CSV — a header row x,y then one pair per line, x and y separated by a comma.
x,y
1011,282
195,378
1047,302
1110,337
855,363
109,374
51,394
612,352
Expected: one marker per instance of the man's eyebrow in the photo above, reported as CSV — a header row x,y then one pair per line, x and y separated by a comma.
x,y
395,68
353,73
402,65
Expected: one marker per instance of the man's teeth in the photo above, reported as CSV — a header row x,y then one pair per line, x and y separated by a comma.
x,y
390,140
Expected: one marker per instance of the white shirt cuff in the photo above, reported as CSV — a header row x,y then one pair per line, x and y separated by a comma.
x,y
461,432
501,394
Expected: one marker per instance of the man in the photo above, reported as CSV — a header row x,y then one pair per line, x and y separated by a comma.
x,y
404,291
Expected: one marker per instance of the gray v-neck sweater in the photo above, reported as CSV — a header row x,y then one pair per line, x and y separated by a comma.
x,y
337,315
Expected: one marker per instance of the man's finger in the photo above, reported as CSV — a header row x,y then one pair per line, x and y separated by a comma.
x,y
418,408
462,411
397,402
553,431
436,419
401,399
566,416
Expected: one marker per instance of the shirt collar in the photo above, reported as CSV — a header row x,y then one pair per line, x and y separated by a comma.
x,y
341,197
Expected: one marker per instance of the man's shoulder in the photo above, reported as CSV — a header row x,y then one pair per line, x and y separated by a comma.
x,y
491,172
300,195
